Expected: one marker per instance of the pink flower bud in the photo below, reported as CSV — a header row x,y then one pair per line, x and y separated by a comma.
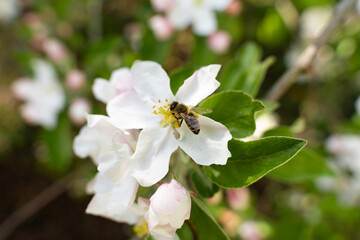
x,y
55,50
162,5
249,230
169,208
238,198
234,8
230,221
216,199
161,27
78,110
219,41
75,79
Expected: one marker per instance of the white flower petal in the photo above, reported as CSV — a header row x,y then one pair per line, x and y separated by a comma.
x,y
103,90
199,86
204,22
121,80
216,4
151,82
153,151
23,88
129,112
115,203
209,146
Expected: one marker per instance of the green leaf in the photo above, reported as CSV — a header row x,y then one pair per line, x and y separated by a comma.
x,y
279,131
250,161
202,184
59,146
246,73
205,224
304,166
235,109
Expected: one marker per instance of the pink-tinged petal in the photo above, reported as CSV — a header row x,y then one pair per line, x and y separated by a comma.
x,y
129,112
122,81
209,146
103,90
152,154
204,22
199,86
151,82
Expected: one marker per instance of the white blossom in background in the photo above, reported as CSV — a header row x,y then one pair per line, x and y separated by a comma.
x,y
75,79
161,27
346,151
120,82
78,110
43,95
234,8
313,21
9,9
219,41
200,14
169,208
147,108
357,106
263,123
358,6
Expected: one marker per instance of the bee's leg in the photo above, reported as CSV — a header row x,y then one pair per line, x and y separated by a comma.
x,y
181,122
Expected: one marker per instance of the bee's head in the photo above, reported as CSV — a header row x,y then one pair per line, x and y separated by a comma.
x,y
173,105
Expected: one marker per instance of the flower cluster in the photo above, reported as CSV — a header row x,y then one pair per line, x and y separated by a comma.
x,y
199,14
133,144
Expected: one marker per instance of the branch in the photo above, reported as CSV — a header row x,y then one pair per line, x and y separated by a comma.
x,y
33,206
306,58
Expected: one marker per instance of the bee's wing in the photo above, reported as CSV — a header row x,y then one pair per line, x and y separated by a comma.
x,y
201,110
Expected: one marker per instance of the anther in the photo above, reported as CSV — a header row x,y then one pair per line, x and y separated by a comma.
x,y
155,112
154,106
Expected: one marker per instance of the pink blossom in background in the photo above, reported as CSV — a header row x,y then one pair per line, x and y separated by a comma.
x,y
238,198
55,50
162,5
234,8
161,27
75,79
219,41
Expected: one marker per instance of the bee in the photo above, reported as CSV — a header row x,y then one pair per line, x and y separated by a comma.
x,y
182,112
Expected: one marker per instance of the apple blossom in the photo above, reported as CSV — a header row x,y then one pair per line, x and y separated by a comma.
x,y
147,108
114,187
78,110
169,208
75,79
249,230
43,95
120,82
198,13
219,41
161,27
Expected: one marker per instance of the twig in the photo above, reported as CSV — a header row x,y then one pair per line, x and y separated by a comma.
x,y
307,56
192,228
33,206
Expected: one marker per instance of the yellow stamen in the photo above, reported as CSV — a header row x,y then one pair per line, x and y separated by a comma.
x,y
166,100
197,115
141,229
154,106
159,101
155,112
